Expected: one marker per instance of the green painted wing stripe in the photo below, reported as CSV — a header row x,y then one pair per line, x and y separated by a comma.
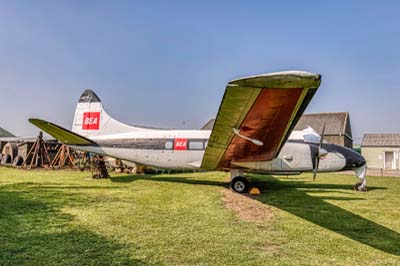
x,y
236,103
63,135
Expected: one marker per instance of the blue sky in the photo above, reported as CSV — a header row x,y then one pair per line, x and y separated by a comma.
x,y
160,63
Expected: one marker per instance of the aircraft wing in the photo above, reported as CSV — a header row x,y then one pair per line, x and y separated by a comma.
x,y
262,110
63,135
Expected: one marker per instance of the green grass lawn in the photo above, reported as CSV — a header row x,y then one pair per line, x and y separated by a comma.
x,y
66,218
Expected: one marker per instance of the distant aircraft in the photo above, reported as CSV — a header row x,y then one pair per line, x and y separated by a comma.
x,y
252,133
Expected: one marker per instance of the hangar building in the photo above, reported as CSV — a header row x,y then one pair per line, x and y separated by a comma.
x,y
381,150
5,134
337,127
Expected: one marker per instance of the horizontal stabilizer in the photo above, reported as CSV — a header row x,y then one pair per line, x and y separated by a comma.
x,y
63,135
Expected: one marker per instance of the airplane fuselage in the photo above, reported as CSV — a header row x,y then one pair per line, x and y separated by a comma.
x,y
184,149
256,116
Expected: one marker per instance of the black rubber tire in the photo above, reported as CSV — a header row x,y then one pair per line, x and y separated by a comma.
x,y
358,187
240,184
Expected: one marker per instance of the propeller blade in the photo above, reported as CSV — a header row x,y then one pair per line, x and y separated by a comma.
x,y
322,136
321,152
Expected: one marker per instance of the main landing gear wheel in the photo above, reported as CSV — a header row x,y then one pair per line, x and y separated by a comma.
x,y
240,184
360,187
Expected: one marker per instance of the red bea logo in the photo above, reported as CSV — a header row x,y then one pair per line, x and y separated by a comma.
x,y
180,144
91,121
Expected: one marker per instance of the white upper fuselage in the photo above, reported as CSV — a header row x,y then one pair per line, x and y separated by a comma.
x,y
159,148
159,133
184,149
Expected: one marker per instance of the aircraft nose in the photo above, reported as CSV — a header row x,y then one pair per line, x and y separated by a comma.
x,y
353,160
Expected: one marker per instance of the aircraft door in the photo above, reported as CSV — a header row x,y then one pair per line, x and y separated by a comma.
x,y
389,160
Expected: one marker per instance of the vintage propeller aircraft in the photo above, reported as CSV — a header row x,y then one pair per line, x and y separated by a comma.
x,y
252,133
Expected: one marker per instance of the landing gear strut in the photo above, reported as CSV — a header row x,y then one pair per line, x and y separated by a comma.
x,y
239,182
360,173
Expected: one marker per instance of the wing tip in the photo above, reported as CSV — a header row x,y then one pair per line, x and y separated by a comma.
x,y
37,121
283,78
32,119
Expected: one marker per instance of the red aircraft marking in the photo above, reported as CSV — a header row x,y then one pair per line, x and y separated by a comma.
x,y
91,121
180,144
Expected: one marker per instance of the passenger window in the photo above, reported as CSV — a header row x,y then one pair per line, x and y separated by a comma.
x,y
195,145
168,145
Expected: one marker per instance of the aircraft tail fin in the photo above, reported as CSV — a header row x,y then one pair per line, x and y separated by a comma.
x,y
91,120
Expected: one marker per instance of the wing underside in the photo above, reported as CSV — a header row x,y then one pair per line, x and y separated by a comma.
x,y
264,108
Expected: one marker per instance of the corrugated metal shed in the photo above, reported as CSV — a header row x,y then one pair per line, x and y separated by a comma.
x,y
337,126
209,125
381,140
335,123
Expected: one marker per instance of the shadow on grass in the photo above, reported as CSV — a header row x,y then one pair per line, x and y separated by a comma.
x,y
180,179
316,210
292,196
34,232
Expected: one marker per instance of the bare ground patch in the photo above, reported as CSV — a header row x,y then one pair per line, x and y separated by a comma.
x,y
245,207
